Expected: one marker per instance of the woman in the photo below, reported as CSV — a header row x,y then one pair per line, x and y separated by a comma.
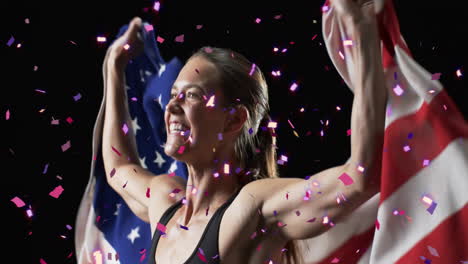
x,y
217,121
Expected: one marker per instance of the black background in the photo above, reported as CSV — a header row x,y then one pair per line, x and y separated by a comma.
x,y
61,40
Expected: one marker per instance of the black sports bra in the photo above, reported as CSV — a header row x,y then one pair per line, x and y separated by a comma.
x,y
207,247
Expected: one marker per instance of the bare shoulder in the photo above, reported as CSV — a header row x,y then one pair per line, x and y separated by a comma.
x,y
164,191
264,188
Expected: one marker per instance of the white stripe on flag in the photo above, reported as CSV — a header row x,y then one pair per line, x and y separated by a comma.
x,y
444,179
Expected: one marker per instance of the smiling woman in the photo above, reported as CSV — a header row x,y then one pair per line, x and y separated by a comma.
x,y
217,120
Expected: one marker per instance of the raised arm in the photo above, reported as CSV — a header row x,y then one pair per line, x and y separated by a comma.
x,y
300,209
136,185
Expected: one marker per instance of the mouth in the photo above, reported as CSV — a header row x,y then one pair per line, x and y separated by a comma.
x,y
179,129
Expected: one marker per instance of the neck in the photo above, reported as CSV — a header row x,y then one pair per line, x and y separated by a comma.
x,y
206,192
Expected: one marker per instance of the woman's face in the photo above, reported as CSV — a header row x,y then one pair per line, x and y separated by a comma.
x,y
194,116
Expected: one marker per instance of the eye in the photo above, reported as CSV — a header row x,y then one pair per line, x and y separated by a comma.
x,y
173,95
193,95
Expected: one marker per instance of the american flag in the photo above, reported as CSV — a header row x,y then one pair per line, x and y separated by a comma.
x,y
421,213
106,230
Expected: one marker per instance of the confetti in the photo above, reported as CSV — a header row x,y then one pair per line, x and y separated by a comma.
x,y
57,191
258,20
311,220
69,120
210,102
126,47
161,228
10,41
398,90
181,149
426,163
459,73
335,260
347,42
44,262
272,124
183,227
66,146
406,148
116,151
293,87
201,255
7,115
77,97
26,20
433,251
125,128
276,73
346,179
45,168
432,207
314,37
18,202
252,69
97,257
226,168
180,38
325,220
160,39
341,55
148,193
436,76
149,27
156,6
40,91
325,8
360,168
207,209
377,224
199,26
29,212
278,17
101,39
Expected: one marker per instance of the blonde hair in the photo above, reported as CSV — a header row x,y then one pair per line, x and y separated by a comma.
x,y
244,83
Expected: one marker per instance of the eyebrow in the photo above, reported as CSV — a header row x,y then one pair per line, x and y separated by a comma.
x,y
190,85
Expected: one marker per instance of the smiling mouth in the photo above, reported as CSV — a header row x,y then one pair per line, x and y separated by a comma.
x,y
177,128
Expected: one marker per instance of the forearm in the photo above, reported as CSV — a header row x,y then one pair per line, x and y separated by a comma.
x,y
369,105
118,148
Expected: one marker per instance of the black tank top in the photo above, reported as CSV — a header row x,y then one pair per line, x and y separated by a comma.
x,y
207,247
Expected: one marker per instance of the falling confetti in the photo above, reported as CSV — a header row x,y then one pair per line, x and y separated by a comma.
x,y
77,97
436,76
66,146
18,202
433,251
101,39
293,87
10,41
160,39
57,191
156,6
210,102
346,179
7,115
252,69
161,228
398,90
126,47
125,128
148,193
180,38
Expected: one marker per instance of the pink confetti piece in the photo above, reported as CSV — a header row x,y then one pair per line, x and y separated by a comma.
x,y
126,47
160,39
116,151
77,97
426,162
156,6
325,220
66,146
258,20
35,68
201,255
199,26
459,73
208,50
7,115
55,122
148,27
40,91
57,191
360,168
101,39
377,224
436,76
181,149
276,73
180,38
314,37
325,8
69,120
42,261
10,41
278,16
272,124
29,212
398,90
161,228
252,69
26,20
18,202
125,128
433,251
335,260
148,193
210,102
293,87
341,55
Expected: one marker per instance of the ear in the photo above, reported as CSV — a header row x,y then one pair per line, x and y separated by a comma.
x,y
235,119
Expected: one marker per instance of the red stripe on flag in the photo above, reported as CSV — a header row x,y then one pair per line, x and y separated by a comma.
x,y
346,253
432,128
449,239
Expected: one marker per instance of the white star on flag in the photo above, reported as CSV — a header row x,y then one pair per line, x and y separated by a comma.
x,y
118,208
173,167
142,162
159,159
135,125
162,68
134,234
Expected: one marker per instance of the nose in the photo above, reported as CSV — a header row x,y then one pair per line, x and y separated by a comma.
x,y
174,104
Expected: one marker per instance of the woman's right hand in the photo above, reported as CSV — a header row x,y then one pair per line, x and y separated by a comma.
x,y
126,47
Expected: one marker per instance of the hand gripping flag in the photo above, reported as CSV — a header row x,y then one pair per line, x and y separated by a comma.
x,y
107,231
421,213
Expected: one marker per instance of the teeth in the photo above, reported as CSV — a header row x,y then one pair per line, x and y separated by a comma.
x,y
176,128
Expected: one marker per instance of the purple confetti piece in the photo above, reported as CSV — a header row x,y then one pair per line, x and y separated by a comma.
x,y
55,122
45,169
125,128
220,136
69,227
180,38
66,146
56,192
432,207
252,69
311,220
250,131
183,227
18,202
436,76
433,251
10,41
77,97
